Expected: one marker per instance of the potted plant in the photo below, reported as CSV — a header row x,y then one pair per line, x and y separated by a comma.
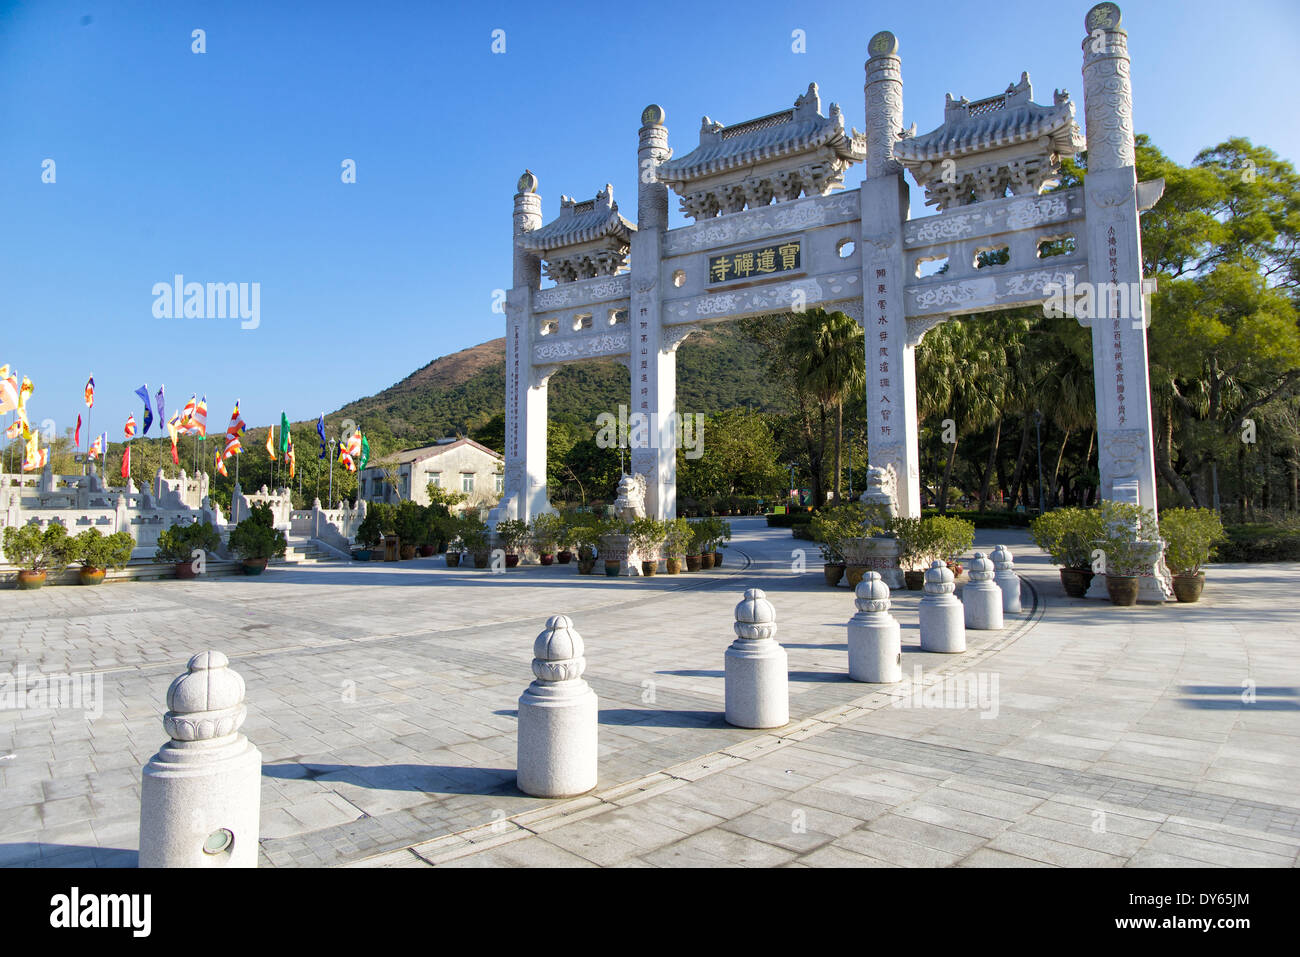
x,y
677,538
952,538
177,545
828,531
547,530
1069,536
409,524
436,529
34,551
647,535
368,535
702,540
565,542
580,532
722,532
1190,535
97,553
451,530
256,540
1126,554
607,529
917,548
477,540
515,536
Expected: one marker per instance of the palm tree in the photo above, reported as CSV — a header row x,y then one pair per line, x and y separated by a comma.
x,y
827,352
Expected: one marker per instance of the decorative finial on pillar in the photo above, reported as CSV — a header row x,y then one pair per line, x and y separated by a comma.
x,y
1104,16
883,43
207,701
653,115
528,182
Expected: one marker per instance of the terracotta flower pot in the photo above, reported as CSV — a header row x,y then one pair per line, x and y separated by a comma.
x,y
1123,589
453,559
855,573
564,557
692,563
649,569
93,576
717,559
27,578
426,551
586,565
1188,587
706,561
1075,581
548,559
673,566
611,569
185,570
407,552
254,566
511,560
915,581
833,573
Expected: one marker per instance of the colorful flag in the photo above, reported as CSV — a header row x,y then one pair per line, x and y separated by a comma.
x,y
320,430
162,415
233,447
19,426
365,452
96,447
143,393
173,427
345,456
76,437
25,392
270,443
199,418
90,393
129,429
4,371
284,433
35,458
187,414
8,392
291,458
126,462
236,427
221,464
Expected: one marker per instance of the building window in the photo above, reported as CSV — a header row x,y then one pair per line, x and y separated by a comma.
x,y
435,479
467,482
501,483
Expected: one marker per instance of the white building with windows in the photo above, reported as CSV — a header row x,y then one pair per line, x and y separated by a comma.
x,y
457,465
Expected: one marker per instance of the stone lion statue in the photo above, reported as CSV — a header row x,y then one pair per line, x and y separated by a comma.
x,y
630,503
882,488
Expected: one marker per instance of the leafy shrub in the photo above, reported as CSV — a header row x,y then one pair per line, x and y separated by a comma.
x,y
547,531
678,537
1190,536
177,544
92,549
256,536
1123,526
1068,535
515,534
30,548
1259,543
952,537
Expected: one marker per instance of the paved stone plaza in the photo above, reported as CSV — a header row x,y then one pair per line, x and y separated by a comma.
x,y
383,700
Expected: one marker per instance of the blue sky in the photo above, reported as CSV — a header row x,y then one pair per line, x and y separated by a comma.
x,y
225,166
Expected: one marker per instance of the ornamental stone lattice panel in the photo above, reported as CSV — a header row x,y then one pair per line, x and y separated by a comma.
x,y
776,231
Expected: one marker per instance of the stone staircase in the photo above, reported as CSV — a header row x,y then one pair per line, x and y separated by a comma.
x,y
302,551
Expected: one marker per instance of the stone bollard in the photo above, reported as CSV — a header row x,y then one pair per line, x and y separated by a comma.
x,y
875,645
557,717
202,791
757,683
982,598
1007,579
942,627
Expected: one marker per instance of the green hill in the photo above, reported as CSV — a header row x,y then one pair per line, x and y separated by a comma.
x,y
462,393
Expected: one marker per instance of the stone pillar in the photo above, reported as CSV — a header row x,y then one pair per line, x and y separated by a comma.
x,y
201,795
524,495
557,717
1007,579
982,598
757,678
652,359
892,441
875,643
943,628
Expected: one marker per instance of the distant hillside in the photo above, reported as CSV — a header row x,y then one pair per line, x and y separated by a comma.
x,y
461,393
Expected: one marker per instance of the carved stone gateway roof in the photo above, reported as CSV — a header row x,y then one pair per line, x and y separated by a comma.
x,y
586,240
983,149
780,156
